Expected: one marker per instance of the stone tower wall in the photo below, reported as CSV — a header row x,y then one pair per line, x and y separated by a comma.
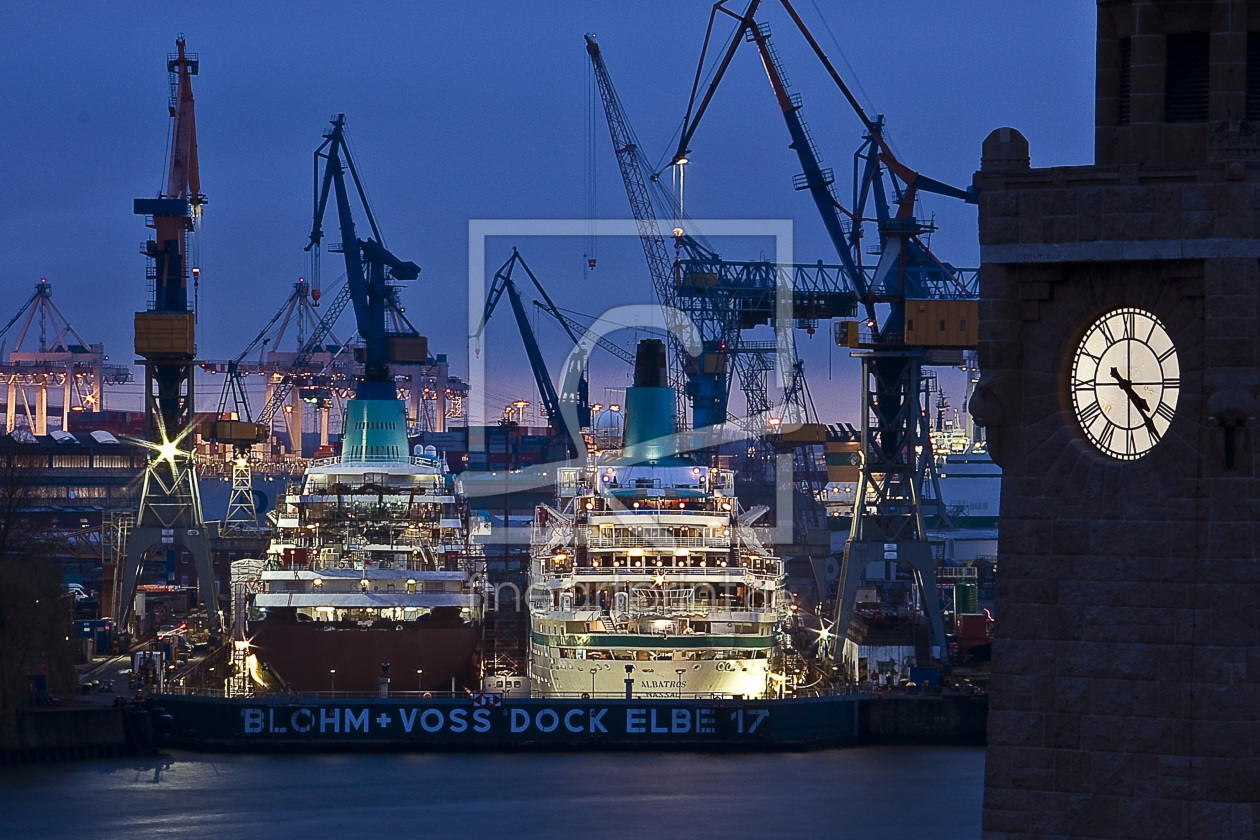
x,y
1126,676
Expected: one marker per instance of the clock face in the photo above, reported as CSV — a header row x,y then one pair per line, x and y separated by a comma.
x,y
1125,381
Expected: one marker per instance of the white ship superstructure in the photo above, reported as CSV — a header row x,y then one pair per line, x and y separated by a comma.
x,y
366,542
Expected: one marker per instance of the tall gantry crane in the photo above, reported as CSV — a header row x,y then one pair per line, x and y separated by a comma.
x,y
170,504
566,417
371,270
60,357
701,293
917,309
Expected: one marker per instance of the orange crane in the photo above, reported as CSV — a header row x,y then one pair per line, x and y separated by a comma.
x,y
170,504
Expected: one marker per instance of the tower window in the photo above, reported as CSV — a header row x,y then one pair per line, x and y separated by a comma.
x,y
1126,65
1253,75
1186,78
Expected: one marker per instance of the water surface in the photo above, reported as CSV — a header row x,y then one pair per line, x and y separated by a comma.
x,y
848,794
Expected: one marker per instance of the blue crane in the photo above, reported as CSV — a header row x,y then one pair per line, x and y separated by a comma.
x,y
568,424
701,292
899,296
370,266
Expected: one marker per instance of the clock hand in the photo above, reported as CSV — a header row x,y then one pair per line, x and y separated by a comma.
x,y
1127,386
1139,403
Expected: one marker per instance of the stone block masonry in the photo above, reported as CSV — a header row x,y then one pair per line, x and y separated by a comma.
x,y
1126,688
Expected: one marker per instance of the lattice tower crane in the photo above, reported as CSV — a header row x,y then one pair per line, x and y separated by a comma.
x,y
170,504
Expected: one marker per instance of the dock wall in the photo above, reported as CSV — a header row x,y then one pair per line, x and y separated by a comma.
x,y
53,734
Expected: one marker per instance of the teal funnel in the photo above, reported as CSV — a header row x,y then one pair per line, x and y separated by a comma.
x,y
375,431
650,431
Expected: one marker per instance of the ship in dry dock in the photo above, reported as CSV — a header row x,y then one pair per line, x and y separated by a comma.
x,y
648,573
372,566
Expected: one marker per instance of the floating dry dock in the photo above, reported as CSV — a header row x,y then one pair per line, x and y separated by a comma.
x,y
463,723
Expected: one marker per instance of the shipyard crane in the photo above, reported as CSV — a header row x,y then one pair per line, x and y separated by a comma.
x,y
567,424
242,432
715,303
170,504
905,296
578,331
370,269
701,386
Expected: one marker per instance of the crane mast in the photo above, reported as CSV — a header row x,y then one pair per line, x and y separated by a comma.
x,y
370,266
170,503
887,518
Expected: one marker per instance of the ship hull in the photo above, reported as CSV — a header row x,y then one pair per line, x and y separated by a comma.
x,y
554,676
304,655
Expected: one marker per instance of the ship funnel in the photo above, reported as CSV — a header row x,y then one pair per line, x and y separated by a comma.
x,y
374,431
649,364
650,433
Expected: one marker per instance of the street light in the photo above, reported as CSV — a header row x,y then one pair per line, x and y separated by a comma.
x,y
419,676
332,676
680,672
593,670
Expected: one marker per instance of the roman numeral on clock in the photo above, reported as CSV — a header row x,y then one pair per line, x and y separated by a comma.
x,y
1107,435
1090,413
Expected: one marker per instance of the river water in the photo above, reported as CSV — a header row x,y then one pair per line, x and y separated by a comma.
x,y
845,794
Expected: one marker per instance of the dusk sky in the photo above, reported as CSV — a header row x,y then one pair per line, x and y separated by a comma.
x,y
480,111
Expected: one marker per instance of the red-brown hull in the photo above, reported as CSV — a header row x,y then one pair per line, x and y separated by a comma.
x,y
304,655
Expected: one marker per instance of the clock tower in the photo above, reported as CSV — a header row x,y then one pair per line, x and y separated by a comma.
x,y
1120,369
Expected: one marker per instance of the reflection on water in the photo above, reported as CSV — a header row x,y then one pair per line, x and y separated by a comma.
x,y
850,794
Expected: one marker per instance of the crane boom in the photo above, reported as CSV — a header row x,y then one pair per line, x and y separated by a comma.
x,y
660,266
183,176
503,282
368,261
578,332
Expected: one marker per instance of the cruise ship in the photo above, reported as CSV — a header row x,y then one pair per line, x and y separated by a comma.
x,y
647,578
372,581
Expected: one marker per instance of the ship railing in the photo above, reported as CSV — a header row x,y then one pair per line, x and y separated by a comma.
x,y
299,697
621,695
662,542
413,460
349,565
955,572
669,571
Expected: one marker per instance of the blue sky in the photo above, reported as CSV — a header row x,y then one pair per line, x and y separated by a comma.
x,y
480,110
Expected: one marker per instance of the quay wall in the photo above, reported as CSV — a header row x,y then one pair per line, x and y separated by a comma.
x,y
53,734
